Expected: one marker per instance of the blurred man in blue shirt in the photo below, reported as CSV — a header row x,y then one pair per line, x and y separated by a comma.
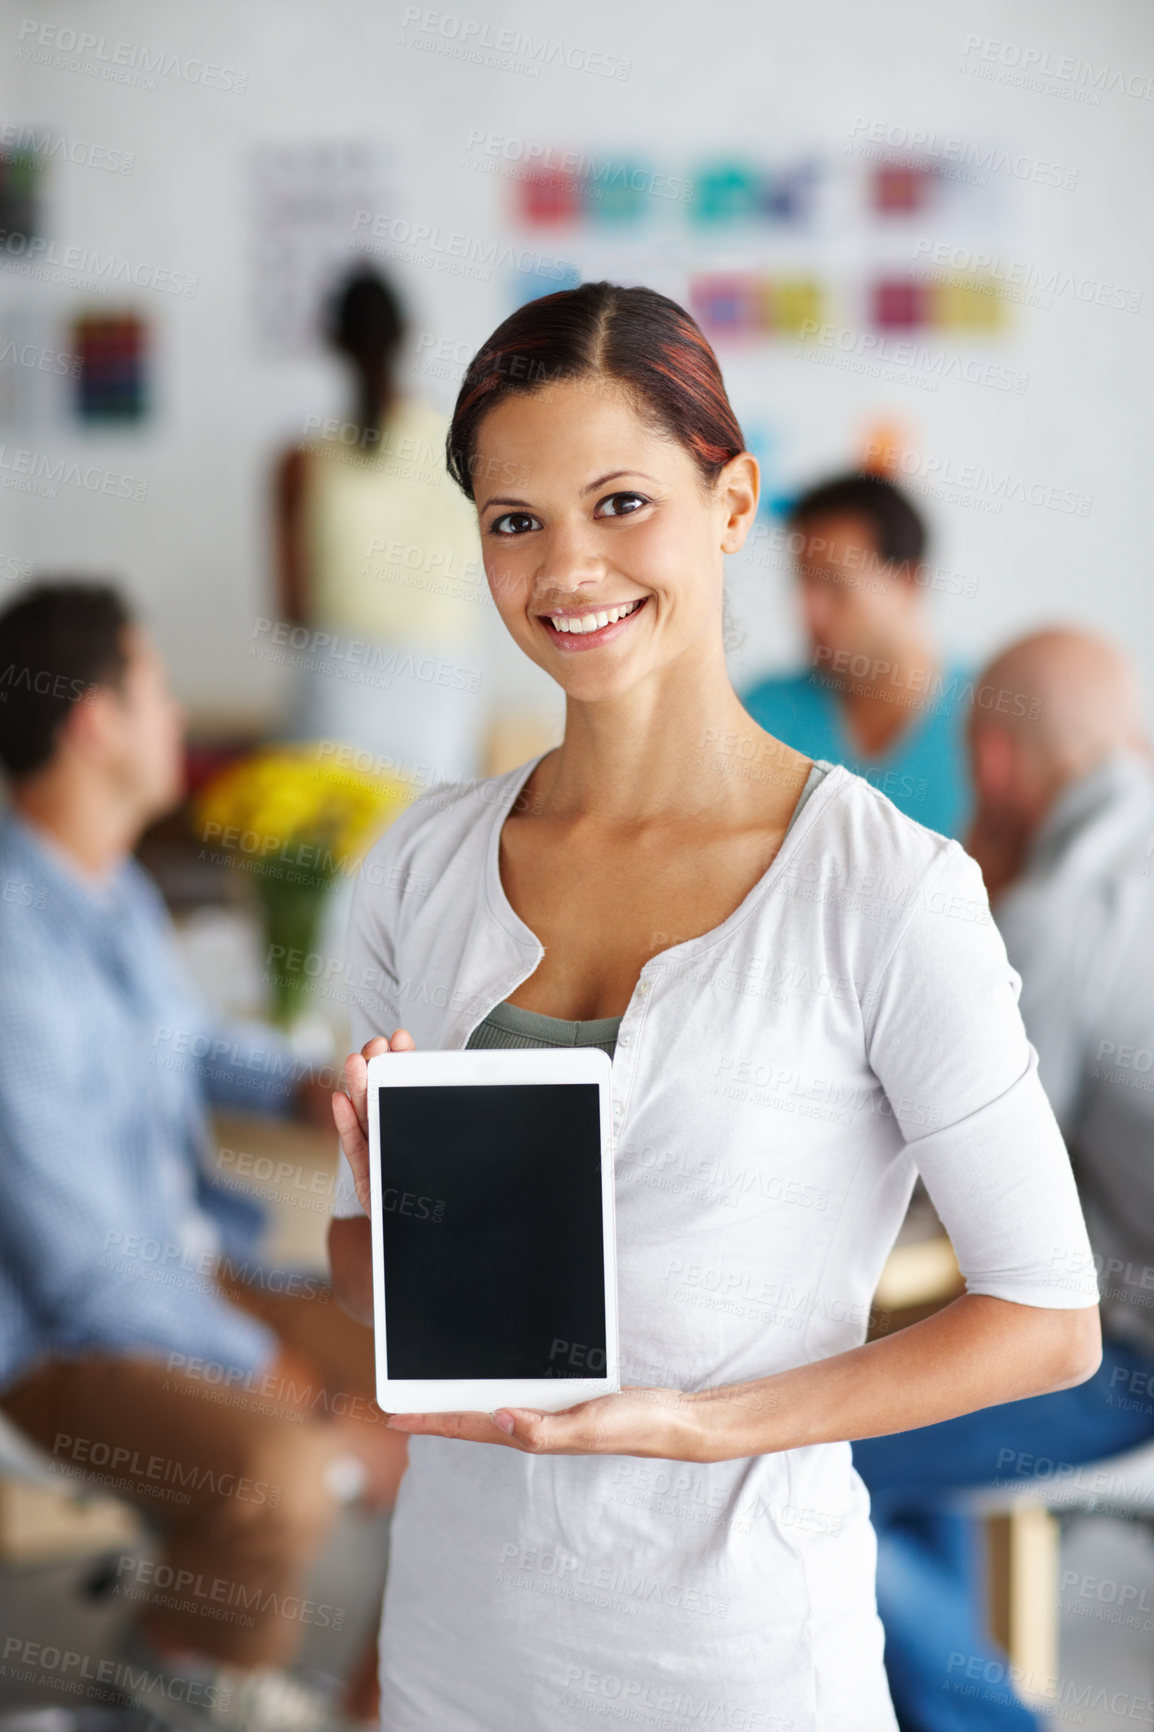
x,y
876,696
132,1294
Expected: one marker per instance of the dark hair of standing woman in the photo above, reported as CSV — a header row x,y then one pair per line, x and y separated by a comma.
x,y
640,338
367,326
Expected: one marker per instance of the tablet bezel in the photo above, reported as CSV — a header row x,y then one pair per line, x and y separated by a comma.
x,y
574,1065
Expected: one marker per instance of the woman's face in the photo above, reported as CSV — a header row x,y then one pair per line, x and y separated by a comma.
x,y
591,513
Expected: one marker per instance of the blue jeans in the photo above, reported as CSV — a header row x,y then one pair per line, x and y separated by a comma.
x,y
929,1594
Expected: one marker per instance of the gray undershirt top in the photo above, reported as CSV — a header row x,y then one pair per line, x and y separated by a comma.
x,y
507,1025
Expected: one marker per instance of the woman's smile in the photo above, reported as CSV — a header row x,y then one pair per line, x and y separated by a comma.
x,y
583,631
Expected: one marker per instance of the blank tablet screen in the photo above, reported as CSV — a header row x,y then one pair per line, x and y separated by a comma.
x,y
492,1228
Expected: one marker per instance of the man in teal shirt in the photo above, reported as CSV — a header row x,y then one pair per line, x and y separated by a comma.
x,y
877,696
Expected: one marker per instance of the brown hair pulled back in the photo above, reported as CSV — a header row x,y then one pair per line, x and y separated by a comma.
x,y
641,339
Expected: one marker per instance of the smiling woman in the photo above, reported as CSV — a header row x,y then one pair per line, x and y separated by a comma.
x,y
656,886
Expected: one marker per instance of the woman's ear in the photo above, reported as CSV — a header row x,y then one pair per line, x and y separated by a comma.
x,y
738,487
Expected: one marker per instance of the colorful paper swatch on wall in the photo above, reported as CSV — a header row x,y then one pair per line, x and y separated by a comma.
x,y
973,304
739,304
742,305
729,193
903,188
967,305
19,195
723,194
620,193
112,382
549,197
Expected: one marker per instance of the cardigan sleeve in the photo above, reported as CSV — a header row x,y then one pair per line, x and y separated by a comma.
x,y
946,1040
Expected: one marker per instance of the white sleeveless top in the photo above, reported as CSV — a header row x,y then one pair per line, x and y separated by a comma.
x,y
391,545
394,574
777,1083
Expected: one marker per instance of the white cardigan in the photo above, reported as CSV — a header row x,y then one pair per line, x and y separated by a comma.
x,y
777,1083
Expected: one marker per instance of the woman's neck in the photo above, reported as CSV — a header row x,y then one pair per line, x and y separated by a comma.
x,y
656,753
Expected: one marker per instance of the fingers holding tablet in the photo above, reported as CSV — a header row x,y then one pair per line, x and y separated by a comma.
x,y
350,1107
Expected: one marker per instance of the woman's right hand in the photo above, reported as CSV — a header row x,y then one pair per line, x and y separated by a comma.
x,y
350,1110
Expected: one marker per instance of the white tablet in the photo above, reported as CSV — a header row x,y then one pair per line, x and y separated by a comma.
x,y
494,1252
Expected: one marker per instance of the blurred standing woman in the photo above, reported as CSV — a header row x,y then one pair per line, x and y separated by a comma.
x,y
376,548
806,1003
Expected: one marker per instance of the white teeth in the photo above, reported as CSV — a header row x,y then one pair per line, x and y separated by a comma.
x,y
592,621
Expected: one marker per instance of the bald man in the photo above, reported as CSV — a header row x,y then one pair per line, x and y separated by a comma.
x,y
1047,712
1064,831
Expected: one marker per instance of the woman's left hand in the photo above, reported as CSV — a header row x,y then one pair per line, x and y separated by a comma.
x,y
665,1423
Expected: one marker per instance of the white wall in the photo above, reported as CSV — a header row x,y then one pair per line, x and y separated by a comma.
x,y
758,75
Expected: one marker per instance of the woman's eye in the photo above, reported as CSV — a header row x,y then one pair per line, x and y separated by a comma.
x,y
513,523
621,504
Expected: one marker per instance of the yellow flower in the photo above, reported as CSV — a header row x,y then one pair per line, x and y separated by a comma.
x,y
291,794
